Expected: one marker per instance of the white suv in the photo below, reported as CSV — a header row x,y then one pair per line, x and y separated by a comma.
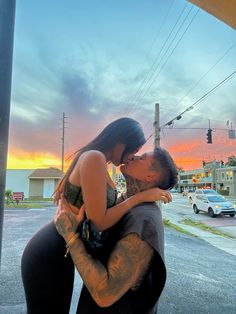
x,y
214,204
191,196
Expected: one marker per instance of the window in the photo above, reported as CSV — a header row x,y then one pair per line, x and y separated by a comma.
x,y
228,189
229,175
222,175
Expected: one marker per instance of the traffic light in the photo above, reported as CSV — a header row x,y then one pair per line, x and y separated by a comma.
x,y
209,136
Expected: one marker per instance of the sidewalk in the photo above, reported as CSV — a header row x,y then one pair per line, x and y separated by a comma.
x,y
18,228
223,243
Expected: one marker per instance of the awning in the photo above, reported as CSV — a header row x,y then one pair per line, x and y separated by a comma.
x,y
224,10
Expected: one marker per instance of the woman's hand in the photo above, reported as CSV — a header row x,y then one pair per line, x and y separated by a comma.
x,y
155,194
65,220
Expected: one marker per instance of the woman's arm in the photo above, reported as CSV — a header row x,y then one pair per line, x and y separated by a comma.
x,y
92,173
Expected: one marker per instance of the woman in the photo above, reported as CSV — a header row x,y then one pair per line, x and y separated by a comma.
x,y
47,275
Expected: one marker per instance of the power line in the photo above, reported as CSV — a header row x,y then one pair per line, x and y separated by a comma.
x,y
206,128
157,35
139,90
206,95
167,59
204,75
179,116
152,45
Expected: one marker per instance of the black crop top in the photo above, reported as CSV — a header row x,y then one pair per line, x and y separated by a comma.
x,y
94,241
73,195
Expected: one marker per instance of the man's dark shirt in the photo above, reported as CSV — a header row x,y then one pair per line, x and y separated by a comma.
x,y
146,221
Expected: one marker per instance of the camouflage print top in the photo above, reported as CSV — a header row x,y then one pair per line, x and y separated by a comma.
x,y
73,195
94,241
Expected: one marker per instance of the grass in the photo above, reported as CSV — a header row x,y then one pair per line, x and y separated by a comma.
x,y
28,203
37,200
167,223
204,227
23,205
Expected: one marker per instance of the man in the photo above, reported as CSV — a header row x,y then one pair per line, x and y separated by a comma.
x,y
133,276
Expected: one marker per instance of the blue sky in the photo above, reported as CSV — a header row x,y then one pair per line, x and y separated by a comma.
x,y
99,60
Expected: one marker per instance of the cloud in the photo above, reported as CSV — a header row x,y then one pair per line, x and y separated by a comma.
x,y
93,75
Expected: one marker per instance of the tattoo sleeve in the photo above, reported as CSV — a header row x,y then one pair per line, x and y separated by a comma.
x,y
127,264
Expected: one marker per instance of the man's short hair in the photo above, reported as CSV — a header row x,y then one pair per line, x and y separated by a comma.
x,y
165,166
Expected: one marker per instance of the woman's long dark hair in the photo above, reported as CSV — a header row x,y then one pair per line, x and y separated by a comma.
x,y
125,131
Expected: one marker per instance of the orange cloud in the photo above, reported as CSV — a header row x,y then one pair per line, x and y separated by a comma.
x,y
28,160
187,146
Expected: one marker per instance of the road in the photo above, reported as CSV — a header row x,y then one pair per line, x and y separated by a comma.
x,y
181,209
201,278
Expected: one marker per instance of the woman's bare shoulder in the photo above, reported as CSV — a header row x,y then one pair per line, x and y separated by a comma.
x,y
92,156
88,164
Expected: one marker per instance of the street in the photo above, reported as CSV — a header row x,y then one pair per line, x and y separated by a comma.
x,y
180,209
201,278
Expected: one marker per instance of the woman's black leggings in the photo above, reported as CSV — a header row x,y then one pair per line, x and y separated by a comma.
x,y
48,276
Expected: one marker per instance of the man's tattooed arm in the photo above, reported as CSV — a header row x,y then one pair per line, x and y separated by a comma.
x,y
128,262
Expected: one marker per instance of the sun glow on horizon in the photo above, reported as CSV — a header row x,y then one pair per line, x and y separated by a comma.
x,y
27,160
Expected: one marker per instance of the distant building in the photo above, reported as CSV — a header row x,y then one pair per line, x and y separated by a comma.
x,y
199,178
213,175
42,182
192,179
226,180
35,183
17,180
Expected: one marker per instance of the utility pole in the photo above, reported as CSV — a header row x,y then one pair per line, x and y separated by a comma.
x,y
63,141
113,172
156,125
7,23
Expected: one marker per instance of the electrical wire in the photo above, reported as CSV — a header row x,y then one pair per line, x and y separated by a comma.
x,y
229,77
202,77
206,95
129,100
167,59
140,88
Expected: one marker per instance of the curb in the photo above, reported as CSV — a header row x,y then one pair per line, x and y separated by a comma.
x,y
221,242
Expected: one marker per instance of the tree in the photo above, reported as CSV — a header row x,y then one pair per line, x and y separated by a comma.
x,y
231,161
180,169
8,195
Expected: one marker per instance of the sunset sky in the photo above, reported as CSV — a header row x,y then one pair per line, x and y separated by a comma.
x,y
100,60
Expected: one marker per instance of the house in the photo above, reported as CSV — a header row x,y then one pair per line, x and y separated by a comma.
x,y
213,175
43,182
17,180
226,180
34,183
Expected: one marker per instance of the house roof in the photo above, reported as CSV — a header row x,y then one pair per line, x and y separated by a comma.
x,y
46,173
222,9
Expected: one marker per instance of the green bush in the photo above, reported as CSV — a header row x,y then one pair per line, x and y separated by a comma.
x,y
223,192
8,196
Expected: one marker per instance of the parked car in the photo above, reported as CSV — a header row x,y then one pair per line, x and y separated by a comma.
x,y
191,196
214,204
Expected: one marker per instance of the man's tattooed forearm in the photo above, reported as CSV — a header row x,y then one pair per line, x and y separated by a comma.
x,y
127,264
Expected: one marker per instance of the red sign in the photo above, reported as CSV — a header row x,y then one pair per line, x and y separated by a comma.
x,y
18,196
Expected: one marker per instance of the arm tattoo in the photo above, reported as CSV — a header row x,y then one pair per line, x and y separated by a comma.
x,y
127,265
